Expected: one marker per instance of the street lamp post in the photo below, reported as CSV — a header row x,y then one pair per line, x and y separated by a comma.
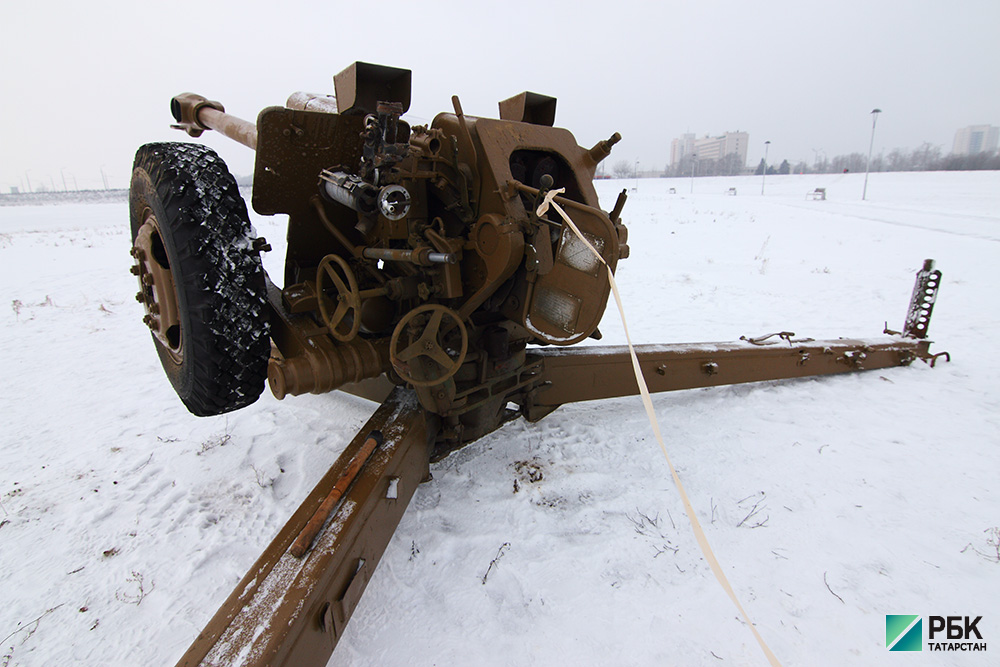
x,y
763,176
875,113
72,176
694,165
816,154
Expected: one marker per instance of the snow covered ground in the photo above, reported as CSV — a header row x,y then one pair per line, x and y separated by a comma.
x,y
125,521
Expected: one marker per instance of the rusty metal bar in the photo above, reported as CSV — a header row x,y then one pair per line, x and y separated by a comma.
x,y
590,373
291,612
318,520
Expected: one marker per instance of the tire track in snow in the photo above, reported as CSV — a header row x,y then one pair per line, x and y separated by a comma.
x,y
897,223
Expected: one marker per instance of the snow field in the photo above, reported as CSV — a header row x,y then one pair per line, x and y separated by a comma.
x,y
125,521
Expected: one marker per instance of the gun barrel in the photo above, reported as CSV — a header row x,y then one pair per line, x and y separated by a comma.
x,y
235,128
195,114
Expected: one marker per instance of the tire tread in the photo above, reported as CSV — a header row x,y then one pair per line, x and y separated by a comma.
x,y
219,273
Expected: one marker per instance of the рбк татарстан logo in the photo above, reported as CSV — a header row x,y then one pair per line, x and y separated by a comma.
x,y
904,632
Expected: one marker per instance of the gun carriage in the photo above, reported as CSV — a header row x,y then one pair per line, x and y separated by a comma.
x,y
420,273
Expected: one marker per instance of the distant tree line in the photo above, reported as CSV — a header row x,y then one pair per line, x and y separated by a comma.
x,y
783,168
728,165
622,169
927,157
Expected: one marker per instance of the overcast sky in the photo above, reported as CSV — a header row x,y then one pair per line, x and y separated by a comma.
x,y
84,84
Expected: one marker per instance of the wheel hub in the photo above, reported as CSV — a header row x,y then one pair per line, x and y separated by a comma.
x,y
157,292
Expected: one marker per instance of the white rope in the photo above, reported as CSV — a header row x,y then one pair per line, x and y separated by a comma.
x,y
699,534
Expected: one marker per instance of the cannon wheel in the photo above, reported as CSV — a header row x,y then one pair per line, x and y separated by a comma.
x,y
200,276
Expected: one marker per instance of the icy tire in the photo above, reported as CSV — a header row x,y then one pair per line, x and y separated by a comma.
x,y
217,272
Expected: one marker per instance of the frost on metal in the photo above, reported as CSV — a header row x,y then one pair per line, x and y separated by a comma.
x,y
247,637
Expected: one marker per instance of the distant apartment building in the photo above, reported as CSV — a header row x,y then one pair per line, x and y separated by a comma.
x,y
976,139
710,148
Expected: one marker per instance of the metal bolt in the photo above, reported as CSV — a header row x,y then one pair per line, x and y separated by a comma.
x,y
135,269
155,309
147,279
140,297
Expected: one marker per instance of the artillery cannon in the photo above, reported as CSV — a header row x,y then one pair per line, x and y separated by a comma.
x,y
421,272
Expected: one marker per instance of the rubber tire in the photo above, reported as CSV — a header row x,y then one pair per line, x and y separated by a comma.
x,y
216,270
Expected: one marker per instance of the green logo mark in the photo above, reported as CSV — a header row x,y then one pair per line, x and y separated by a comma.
x,y
903,632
